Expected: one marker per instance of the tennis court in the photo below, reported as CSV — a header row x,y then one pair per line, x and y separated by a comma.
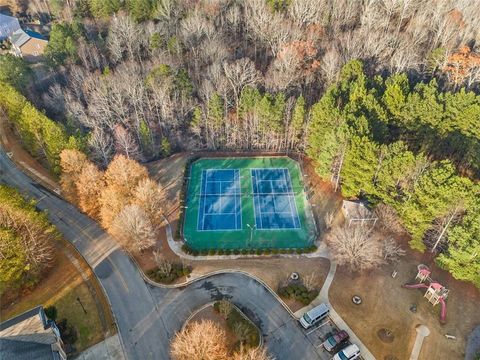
x,y
220,201
247,203
275,206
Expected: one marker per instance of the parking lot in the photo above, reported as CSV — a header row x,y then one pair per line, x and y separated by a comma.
x,y
318,334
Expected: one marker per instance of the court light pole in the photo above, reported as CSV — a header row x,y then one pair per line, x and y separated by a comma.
x,y
251,233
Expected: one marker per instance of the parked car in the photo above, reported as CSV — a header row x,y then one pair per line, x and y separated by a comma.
x,y
313,316
349,353
334,340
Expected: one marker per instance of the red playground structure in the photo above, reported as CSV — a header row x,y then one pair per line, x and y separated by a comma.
x,y
436,293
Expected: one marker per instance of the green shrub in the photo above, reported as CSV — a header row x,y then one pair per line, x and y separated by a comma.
x,y
259,251
298,292
275,251
211,252
220,252
244,251
236,252
228,251
251,251
67,331
203,252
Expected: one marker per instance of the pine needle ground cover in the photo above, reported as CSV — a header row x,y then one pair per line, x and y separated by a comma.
x,y
247,203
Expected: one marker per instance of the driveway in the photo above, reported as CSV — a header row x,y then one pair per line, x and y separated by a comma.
x,y
147,316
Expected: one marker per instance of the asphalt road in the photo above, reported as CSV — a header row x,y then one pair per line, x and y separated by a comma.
x,y
148,316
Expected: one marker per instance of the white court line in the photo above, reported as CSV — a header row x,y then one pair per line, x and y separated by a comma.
x,y
289,202
285,174
235,181
240,198
204,199
253,194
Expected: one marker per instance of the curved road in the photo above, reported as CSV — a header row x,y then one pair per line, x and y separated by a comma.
x,y
147,316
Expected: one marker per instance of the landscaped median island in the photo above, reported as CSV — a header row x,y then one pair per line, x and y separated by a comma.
x,y
247,205
218,331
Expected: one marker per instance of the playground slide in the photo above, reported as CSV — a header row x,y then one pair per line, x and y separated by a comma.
x,y
443,310
416,286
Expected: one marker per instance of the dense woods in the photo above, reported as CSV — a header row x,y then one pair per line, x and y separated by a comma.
x,y
382,95
26,241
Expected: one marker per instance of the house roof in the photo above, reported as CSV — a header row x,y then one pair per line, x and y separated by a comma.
x,y
23,350
357,210
36,311
8,25
27,336
19,37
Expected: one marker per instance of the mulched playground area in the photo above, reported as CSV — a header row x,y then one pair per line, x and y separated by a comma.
x,y
247,203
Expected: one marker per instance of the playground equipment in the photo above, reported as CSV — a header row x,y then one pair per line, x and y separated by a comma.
x,y
435,294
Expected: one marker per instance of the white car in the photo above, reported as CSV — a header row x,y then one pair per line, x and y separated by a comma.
x,y
349,353
313,316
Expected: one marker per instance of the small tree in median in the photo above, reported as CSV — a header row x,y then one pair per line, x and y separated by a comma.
x,y
200,340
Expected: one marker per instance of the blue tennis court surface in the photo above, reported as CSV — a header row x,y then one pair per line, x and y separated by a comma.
x,y
220,200
274,200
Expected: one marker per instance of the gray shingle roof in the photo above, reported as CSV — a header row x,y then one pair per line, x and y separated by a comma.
x,y
23,350
36,311
19,37
8,25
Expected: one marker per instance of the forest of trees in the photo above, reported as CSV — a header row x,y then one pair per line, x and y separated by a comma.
x,y
382,95
27,241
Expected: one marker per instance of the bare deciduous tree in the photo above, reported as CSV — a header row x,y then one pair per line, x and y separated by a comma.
x,y
152,198
240,73
259,353
36,239
389,219
164,266
355,247
391,250
125,143
133,229
200,340
224,308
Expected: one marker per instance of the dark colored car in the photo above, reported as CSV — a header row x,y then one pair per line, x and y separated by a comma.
x,y
335,339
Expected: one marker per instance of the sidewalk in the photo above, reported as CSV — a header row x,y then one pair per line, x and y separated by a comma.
x,y
109,349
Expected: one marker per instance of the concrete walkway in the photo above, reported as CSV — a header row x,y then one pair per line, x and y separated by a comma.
x,y
422,332
109,349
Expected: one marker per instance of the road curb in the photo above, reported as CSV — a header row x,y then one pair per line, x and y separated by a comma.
x,y
207,275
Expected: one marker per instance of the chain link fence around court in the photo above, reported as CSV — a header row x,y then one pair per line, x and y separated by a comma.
x,y
249,236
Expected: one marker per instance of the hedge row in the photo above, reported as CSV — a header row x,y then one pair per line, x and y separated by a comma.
x,y
298,292
178,270
211,252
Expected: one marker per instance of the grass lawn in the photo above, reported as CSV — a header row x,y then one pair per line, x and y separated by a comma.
x,y
61,287
385,305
